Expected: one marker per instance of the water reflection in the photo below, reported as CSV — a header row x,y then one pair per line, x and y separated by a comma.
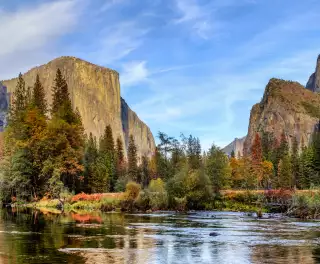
x,y
49,236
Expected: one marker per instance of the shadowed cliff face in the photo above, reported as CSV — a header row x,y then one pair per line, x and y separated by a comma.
x,y
95,91
131,124
285,107
4,106
314,80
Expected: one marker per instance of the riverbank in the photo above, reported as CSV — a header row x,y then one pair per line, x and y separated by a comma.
x,y
303,204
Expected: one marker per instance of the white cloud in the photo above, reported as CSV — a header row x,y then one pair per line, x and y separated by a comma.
x,y
134,72
189,10
27,33
118,41
202,18
178,103
32,28
195,15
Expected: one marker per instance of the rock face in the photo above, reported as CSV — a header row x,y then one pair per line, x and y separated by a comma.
x,y
95,91
285,107
236,146
4,106
314,80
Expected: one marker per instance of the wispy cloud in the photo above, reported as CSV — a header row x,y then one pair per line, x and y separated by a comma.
x,y
201,17
27,32
118,41
110,4
196,16
133,73
31,28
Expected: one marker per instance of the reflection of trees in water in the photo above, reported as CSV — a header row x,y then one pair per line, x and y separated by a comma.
x,y
30,238
132,247
283,254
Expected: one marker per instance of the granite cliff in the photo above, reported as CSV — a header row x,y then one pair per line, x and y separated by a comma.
x,y
95,91
4,106
236,146
314,80
285,107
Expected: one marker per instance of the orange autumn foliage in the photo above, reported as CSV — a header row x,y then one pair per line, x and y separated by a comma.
x,y
95,197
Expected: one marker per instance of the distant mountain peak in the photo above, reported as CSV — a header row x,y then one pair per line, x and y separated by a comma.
x,y
236,146
314,80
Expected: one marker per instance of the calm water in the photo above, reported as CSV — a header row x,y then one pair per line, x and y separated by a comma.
x,y
46,237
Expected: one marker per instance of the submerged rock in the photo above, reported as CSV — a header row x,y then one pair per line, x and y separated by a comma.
x,y
214,234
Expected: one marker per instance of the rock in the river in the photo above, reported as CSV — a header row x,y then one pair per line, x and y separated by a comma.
x,y
95,91
214,234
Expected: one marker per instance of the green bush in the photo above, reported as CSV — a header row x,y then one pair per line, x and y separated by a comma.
x,y
109,204
86,205
180,204
143,201
305,205
48,203
130,196
193,185
158,195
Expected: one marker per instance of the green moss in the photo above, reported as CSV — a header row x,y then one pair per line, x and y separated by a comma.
x,y
311,109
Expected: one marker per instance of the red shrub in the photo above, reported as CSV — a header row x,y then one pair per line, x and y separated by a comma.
x,y
280,196
87,197
95,196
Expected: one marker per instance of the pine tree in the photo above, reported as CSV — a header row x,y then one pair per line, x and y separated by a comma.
x,y
280,149
66,135
267,141
144,171
107,151
107,142
90,163
232,155
316,154
120,160
57,99
61,102
38,97
285,172
119,151
306,167
284,146
132,160
164,148
193,152
19,103
177,156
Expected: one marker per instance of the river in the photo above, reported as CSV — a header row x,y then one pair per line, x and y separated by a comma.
x,y
28,236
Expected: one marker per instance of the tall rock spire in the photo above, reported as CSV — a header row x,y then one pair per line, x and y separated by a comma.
x,y
4,106
314,80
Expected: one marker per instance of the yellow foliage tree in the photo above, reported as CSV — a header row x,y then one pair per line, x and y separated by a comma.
x,y
267,172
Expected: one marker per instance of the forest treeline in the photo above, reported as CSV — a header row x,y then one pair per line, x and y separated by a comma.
x,y
46,153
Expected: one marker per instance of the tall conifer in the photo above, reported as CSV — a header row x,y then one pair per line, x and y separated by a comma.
x,y
132,159
38,96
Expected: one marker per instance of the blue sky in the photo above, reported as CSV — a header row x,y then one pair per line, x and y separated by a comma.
x,y
190,66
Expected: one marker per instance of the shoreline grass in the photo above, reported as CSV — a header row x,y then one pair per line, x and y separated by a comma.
x,y
304,204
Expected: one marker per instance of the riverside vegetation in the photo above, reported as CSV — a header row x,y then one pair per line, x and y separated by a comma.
x,y
48,160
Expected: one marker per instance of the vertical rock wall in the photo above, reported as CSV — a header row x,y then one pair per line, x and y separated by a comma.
x,y
95,91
